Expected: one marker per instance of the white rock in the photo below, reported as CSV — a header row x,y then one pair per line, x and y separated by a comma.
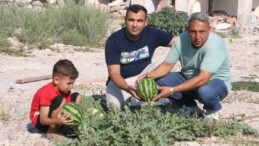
x,y
47,50
51,1
116,2
192,143
23,1
37,3
16,44
222,26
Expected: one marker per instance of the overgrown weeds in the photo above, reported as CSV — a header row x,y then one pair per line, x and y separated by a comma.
x,y
235,32
5,115
147,126
4,44
246,85
73,24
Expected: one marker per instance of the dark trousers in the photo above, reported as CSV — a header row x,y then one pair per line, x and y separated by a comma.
x,y
209,95
55,103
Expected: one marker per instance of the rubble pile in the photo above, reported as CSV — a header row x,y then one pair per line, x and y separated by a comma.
x,y
221,22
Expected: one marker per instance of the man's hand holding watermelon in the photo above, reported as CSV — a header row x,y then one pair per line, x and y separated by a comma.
x,y
132,90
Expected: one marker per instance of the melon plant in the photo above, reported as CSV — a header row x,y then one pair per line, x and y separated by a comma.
x,y
75,111
147,89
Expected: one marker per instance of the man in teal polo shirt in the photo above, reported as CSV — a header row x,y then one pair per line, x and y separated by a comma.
x,y
205,74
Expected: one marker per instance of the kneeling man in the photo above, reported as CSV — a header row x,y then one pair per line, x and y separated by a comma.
x,y
205,74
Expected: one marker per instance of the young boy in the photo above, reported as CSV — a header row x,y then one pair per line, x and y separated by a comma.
x,y
49,100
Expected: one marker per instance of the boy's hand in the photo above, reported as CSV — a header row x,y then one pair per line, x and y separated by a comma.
x,y
63,119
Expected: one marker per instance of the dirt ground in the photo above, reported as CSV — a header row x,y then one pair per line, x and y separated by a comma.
x,y
16,98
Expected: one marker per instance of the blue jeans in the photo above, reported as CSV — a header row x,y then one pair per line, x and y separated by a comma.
x,y
210,95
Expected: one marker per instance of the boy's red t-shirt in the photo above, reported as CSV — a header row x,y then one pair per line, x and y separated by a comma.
x,y
44,96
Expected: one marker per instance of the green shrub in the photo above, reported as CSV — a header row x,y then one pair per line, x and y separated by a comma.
x,y
246,85
4,43
73,37
146,126
89,21
169,20
53,24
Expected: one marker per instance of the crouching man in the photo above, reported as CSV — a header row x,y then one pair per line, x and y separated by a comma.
x,y
205,74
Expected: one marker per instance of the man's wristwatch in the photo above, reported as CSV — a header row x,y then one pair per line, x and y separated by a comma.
x,y
171,91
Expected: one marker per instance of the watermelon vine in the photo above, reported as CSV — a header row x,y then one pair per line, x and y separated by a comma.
x,y
146,126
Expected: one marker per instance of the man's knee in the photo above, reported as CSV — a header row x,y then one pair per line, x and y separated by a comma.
x,y
111,103
206,95
116,96
215,91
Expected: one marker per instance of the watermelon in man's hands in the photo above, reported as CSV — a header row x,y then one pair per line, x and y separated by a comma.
x,y
147,89
75,111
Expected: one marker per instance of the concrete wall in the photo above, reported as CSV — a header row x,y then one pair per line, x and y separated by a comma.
x,y
229,6
243,15
204,5
255,4
182,5
191,6
151,5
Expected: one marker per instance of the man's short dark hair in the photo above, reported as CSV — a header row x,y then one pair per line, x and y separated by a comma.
x,y
136,8
65,67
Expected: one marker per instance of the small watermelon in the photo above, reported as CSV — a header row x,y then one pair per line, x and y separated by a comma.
x,y
75,111
147,89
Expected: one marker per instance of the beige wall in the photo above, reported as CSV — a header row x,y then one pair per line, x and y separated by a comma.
x,y
204,5
230,6
255,3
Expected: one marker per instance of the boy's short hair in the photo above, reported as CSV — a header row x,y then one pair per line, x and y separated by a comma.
x,y
65,67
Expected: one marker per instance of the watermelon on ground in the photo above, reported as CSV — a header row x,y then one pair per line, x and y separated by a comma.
x,y
75,111
147,89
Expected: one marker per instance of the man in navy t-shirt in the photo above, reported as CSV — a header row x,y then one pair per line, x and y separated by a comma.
x,y
128,53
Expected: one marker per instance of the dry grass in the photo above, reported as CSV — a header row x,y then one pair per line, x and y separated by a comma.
x,y
243,96
5,114
90,89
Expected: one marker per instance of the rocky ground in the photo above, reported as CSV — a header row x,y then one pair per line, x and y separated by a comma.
x,y
16,98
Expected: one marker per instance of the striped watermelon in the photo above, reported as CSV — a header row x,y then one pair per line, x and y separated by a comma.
x,y
147,89
75,111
